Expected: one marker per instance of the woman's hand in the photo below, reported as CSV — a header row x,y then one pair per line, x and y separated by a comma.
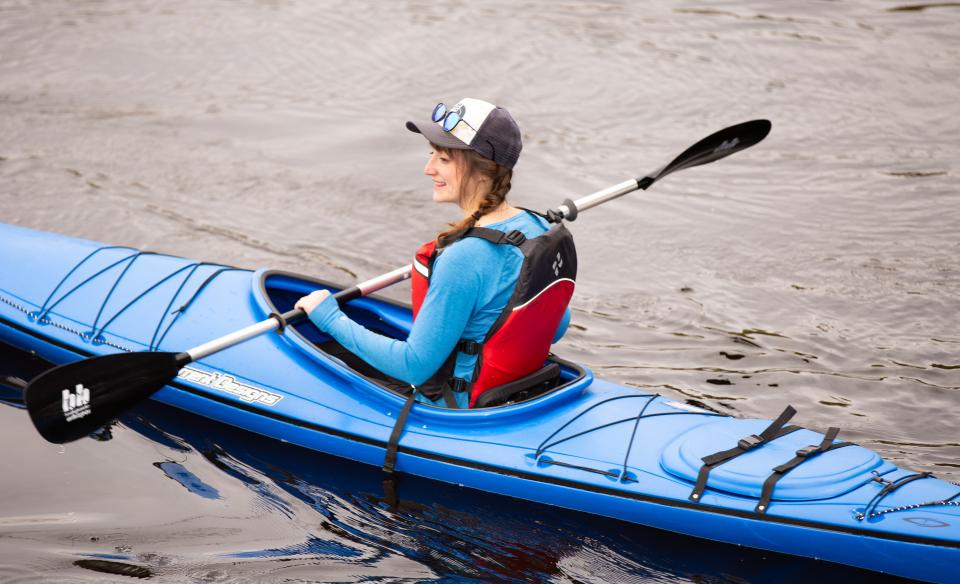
x,y
310,301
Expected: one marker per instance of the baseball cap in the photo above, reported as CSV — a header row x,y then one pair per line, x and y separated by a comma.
x,y
488,130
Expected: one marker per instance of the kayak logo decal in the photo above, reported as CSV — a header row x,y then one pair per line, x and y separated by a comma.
x,y
557,264
926,522
229,384
76,404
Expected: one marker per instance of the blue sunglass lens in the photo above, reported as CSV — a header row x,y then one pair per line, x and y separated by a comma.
x,y
438,112
452,119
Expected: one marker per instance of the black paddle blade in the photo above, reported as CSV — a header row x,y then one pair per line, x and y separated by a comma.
x,y
714,147
71,401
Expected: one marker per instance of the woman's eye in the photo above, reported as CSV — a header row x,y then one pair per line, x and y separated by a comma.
x,y
444,159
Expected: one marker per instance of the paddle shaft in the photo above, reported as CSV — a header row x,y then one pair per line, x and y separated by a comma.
x,y
378,283
281,320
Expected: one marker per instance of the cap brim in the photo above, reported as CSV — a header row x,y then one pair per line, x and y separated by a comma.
x,y
436,135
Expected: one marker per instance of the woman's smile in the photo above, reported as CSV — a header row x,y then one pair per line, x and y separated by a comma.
x,y
445,174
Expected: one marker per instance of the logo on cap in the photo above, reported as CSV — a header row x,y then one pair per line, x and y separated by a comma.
x,y
473,112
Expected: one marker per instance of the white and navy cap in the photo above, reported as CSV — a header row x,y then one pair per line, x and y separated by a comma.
x,y
488,130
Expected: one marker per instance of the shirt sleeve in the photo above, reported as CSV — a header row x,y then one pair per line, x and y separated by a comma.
x,y
455,287
562,327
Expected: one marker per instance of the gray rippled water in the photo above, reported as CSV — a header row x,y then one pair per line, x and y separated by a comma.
x,y
820,268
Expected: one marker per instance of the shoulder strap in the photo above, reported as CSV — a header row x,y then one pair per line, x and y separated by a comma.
x,y
496,236
537,213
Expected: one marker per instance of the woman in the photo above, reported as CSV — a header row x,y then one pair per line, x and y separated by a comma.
x,y
461,294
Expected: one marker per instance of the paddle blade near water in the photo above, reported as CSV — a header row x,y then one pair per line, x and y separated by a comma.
x,y
71,401
714,147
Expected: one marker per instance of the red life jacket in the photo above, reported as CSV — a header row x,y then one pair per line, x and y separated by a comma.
x,y
518,342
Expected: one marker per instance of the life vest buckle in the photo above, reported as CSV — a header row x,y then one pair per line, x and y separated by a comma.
x,y
469,347
515,237
458,385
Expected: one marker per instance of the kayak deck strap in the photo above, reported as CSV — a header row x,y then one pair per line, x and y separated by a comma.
x,y
95,334
133,258
949,501
803,455
888,488
626,457
622,475
154,343
183,308
775,430
34,316
608,473
546,441
43,307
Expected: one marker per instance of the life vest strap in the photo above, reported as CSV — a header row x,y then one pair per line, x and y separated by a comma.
x,y
518,341
469,347
495,236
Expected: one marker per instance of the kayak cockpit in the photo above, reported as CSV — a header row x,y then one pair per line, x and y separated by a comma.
x,y
278,291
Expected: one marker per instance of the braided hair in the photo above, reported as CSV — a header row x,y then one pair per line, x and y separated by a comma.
x,y
472,168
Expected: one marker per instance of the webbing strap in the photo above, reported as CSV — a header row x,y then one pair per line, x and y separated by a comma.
x,y
448,399
803,455
775,430
495,236
390,460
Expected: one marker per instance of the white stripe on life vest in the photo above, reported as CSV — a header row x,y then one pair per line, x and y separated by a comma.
x,y
552,284
421,269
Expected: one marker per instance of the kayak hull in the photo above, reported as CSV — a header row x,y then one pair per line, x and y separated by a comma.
x,y
588,445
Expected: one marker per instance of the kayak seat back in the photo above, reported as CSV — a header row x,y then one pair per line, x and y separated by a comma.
x,y
825,476
527,387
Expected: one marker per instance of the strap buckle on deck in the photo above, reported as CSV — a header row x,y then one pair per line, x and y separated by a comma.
x,y
808,450
749,442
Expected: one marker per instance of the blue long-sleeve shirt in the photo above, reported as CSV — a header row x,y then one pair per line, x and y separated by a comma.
x,y
470,285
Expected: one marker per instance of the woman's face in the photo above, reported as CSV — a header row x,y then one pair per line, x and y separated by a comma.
x,y
445,172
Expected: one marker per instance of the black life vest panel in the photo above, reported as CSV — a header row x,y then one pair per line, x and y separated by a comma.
x,y
518,342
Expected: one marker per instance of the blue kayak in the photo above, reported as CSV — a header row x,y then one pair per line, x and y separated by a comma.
x,y
574,441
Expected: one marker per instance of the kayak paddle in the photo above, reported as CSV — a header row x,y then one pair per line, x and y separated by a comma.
x,y
73,400
712,148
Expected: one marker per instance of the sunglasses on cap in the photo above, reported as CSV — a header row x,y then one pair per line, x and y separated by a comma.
x,y
448,120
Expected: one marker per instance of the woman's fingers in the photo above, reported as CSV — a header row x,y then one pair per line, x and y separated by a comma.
x,y
310,301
